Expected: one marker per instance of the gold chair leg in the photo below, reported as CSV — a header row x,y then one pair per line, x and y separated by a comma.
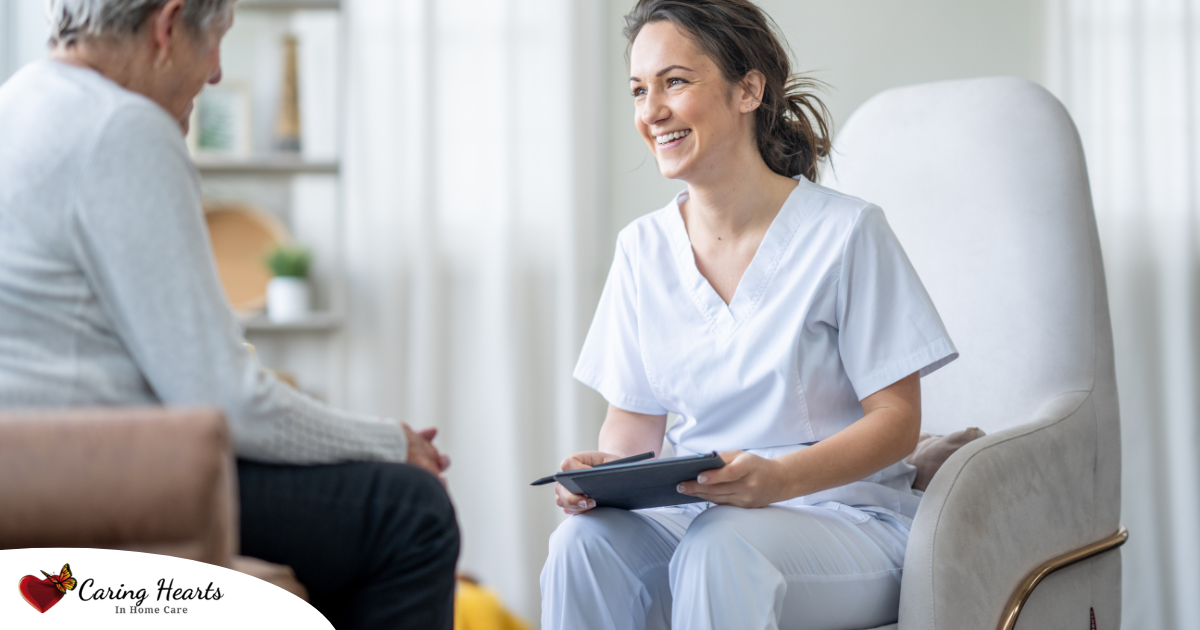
x,y
1008,620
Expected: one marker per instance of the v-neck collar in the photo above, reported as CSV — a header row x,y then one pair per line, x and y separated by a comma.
x,y
724,318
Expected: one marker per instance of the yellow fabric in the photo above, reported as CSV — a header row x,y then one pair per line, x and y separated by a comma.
x,y
478,608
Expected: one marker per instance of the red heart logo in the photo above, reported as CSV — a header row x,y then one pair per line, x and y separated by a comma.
x,y
41,594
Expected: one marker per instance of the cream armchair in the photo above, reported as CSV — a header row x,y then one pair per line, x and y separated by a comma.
x,y
985,184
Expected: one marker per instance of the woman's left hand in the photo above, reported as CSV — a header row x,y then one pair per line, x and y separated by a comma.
x,y
746,480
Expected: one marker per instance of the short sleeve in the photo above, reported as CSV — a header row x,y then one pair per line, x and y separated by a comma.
x,y
888,327
611,359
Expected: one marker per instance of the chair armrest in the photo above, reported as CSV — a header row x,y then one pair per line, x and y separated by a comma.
x,y
149,479
998,509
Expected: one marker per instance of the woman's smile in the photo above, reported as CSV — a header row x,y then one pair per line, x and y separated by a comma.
x,y
670,140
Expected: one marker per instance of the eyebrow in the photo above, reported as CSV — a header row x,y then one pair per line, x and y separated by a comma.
x,y
666,70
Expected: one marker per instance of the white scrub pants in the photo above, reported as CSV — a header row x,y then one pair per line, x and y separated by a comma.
x,y
723,568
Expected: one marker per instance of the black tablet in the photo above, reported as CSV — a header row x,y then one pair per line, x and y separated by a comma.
x,y
639,485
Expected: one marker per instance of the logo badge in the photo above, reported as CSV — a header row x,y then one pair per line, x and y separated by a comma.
x,y
43,594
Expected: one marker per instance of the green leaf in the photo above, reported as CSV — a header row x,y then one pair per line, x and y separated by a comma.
x,y
289,261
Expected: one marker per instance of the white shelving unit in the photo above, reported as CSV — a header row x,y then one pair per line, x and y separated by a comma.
x,y
315,322
303,190
266,164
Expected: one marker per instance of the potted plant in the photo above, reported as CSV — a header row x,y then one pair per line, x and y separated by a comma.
x,y
288,294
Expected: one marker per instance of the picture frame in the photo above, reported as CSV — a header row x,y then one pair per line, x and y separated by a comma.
x,y
221,121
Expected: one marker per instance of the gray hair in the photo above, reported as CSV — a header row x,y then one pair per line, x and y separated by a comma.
x,y
72,20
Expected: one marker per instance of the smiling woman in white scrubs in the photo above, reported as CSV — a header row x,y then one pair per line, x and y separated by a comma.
x,y
784,324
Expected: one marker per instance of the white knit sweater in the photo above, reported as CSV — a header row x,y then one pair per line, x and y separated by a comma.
x,y
108,290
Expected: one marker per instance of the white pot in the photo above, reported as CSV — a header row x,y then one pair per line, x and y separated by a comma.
x,y
287,299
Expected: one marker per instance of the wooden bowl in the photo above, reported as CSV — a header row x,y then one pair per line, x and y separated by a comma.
x,y
241,235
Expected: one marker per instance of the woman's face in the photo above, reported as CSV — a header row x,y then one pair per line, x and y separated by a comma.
x,y
197,62
686,112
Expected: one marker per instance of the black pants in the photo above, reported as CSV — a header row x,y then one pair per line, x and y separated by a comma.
x,y
375,544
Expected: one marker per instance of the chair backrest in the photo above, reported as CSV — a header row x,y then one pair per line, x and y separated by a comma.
x,y
984,182
144,479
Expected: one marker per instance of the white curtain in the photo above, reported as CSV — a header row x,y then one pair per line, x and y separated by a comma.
x,y
1129,71
473,144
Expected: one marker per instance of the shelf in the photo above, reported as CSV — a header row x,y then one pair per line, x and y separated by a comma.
x,y
263,165
289,5
315,322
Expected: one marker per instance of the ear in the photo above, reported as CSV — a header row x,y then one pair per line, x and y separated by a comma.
x,y
164,26
750,91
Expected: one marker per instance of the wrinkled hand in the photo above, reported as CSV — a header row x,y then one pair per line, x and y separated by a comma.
x,y
576,503
746,480
422,452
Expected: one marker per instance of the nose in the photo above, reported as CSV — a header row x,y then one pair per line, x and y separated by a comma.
x,y
654,108
215,77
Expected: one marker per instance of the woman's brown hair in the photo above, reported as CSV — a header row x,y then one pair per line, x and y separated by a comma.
x,y
792,124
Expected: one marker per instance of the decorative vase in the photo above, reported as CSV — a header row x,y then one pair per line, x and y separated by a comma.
x,y
287,299
287,123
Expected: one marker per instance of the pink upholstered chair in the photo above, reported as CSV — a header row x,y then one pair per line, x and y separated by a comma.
x,y
144,479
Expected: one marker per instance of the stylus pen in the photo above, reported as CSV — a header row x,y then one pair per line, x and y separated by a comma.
x,y
628,460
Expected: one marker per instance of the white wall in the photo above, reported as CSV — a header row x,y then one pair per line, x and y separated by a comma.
x,y
23,34
5,40
858,47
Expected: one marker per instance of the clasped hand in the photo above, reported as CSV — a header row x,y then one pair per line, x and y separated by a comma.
x,y
746,480
422,452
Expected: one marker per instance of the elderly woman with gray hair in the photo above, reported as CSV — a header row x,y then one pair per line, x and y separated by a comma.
x,y
109,296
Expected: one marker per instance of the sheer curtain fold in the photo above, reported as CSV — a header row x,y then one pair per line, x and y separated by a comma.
x,y
472,139
1129,72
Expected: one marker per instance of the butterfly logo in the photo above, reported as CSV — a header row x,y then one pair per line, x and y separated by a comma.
x,y
43,594
63,581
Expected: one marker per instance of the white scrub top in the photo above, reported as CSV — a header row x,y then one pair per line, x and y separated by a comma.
x,y
829,311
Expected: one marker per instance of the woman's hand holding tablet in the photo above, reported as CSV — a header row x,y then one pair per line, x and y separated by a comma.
x,y
746,481
576,503
631,483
